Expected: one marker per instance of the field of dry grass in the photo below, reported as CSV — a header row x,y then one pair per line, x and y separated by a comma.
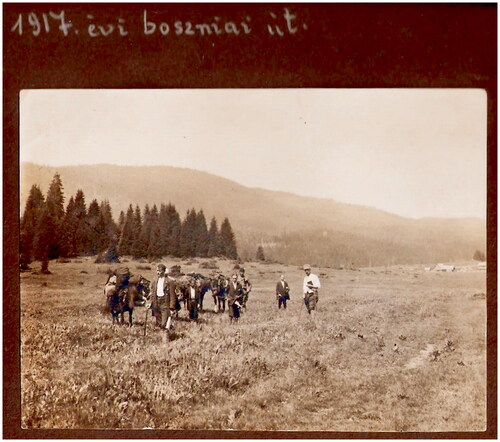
x,y
274,370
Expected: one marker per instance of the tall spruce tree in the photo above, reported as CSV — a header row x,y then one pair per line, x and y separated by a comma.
x,y
127,233
228,240
95,233
44,238
141,240
213,239
83,231
121,221
153,250
201,235
29,220
164,227
174,231
55,207
188,235
107,224
69,231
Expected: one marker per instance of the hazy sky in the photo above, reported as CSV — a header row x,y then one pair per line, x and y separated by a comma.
x,y
412,152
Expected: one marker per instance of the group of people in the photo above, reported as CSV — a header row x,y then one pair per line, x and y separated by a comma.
x,y
236,291
310,290
164,296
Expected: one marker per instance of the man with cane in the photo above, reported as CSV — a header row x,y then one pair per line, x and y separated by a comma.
x,y
163,298
311,286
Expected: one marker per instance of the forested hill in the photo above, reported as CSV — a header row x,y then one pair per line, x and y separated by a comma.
x,y
291,228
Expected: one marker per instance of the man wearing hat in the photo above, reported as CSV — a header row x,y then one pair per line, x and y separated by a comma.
x,y
162,296
246,285
311,287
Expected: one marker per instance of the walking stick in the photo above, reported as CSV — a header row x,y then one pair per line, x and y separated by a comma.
x,y
146,320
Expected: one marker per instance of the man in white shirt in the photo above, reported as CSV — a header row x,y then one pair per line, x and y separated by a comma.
x,y
310,287
162,296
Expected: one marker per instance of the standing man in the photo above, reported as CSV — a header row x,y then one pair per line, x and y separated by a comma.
x,y
193,298
163,297
234,298
311,287
245,285
282,292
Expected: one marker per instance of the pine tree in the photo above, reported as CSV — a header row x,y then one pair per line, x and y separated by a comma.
x,y
44,238
153,250
95,231
55,207
69,231
29,221
187,241
121,220
228,241
110,229
141,240
201,235
174,233
164,227
213,239
127,233
260,254
83,231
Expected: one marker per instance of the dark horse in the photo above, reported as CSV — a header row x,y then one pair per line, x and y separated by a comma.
x,y
124,300
203,283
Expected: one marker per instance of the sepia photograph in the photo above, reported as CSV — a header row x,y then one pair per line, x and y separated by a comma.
x,y
288,259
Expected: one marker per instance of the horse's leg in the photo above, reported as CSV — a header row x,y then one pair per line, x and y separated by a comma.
x,y
130,320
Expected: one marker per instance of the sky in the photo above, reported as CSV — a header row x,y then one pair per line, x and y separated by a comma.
x,y
412,152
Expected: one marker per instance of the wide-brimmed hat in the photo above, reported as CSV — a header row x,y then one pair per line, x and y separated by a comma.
x,y
307,267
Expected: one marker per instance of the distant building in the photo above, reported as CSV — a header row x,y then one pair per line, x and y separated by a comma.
x,y
444,268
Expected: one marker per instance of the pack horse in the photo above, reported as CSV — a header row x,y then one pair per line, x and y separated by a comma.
x,y
124,292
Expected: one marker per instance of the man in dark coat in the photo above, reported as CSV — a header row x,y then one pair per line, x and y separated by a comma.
x,y
162,296
193,293
246,286
282,292
234,298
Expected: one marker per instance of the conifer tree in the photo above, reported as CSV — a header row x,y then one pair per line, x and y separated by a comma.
x,y
153,250
83,230
260,254
95,232
127,233
214,245
228,241
188,235
69,231
201,235
44,238
164,227
110,229
121,220
29,220
174,231
55,207
141,241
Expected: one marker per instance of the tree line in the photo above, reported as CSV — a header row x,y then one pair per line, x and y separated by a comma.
x,y
50,231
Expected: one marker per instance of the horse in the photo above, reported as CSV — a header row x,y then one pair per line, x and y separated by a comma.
x,y
127,298
219,289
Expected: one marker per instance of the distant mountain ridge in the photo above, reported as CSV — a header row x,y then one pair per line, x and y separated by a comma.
x,y
272,218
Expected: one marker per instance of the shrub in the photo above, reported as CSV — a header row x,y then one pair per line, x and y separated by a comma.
x,y
210,265
141,267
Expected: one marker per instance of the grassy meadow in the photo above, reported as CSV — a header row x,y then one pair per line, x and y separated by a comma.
x,y
390,349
